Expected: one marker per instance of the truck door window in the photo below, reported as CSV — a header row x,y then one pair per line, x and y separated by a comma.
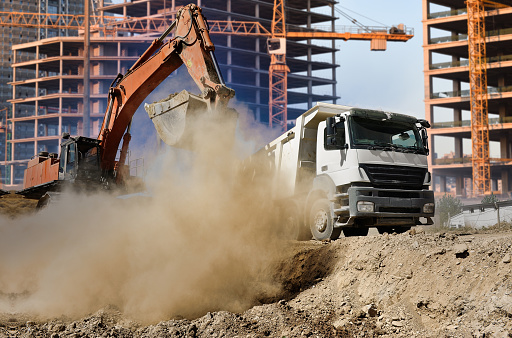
x,y
71,158
62,160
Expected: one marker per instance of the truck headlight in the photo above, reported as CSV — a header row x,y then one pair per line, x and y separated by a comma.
x,y
365,206
428,208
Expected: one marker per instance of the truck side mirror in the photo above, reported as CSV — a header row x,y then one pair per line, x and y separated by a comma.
x,y
424,138
330,134
423,123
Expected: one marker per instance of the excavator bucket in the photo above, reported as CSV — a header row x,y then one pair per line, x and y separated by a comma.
x,y
176,116
170,115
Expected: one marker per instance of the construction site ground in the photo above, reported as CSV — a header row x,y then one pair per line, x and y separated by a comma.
x,y
428,282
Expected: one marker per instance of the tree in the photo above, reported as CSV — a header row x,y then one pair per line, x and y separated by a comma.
x,y
448,206
490,199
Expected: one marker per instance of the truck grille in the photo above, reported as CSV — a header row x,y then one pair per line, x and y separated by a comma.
x,y
390,176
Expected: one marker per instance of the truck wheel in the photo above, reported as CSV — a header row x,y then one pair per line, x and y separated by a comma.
x,y
321,222
390,230
292,226
351,232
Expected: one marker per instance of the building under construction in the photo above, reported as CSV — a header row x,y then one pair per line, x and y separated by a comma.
x,y
447,94
51,102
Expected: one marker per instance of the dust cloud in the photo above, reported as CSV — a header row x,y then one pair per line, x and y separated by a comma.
x,y
203,241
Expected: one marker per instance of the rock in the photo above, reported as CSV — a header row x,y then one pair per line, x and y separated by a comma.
x,y
397,323
460,248
370,310
506,259
58,328
415,245
452,327
340,323
440,251
419,230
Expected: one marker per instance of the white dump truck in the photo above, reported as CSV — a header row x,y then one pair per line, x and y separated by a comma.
x,y
348,169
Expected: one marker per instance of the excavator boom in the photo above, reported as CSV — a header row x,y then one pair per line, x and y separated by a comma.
x,y
84,161
192,46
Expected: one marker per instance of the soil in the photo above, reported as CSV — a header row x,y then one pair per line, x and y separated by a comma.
x,y
416,284
13,205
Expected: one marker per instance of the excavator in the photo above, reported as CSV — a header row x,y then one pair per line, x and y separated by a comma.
x,y
87,163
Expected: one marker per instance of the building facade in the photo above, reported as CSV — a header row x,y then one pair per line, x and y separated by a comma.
x,y
12,36
447,102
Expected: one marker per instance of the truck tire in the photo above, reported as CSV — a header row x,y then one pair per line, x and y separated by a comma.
x,y
321,222
351,232
292,226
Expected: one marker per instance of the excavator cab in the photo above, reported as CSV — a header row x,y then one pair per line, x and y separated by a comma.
x,y
79,159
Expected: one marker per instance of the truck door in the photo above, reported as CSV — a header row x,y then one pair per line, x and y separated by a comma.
x,y
67,165
331,156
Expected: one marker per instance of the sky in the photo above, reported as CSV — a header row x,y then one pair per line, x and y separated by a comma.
x,y
391,80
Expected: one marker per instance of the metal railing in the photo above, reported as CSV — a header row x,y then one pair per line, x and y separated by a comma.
x,y
444,14
465,63
465,93
467,123
463,37
465,160
353,29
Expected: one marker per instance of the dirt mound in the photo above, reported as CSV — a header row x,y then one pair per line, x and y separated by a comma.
x,y
409,285
13,205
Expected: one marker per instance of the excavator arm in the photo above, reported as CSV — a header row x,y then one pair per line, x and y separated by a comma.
x,y
192,46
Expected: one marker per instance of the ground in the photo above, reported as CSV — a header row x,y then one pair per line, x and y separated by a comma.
x,y
423,283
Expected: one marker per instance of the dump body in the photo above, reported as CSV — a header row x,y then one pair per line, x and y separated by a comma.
x,y
368,168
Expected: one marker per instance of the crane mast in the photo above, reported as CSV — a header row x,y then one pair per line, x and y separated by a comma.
x,y
278,70
478,97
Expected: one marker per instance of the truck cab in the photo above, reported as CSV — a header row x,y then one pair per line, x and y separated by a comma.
x,y
80,160
348,169
376,165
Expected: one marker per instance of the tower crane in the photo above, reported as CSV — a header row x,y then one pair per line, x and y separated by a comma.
x,y
278,71
477,56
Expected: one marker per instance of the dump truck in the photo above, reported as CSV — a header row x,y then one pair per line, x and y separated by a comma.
x,y
91,163
348,169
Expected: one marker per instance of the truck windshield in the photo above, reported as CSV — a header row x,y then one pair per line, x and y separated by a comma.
x,y
385,135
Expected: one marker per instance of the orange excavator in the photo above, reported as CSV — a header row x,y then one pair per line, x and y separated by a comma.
x,y
87,163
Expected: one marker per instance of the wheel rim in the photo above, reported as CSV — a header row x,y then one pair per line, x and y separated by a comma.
x,y
321,220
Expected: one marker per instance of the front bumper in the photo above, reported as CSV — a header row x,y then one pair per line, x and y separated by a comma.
x,y
392,203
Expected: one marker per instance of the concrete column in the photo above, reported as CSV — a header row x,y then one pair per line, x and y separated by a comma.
x,y
457,119
148,11
502,111
426,10
505,182
442,183
229,56
504,146
459,186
